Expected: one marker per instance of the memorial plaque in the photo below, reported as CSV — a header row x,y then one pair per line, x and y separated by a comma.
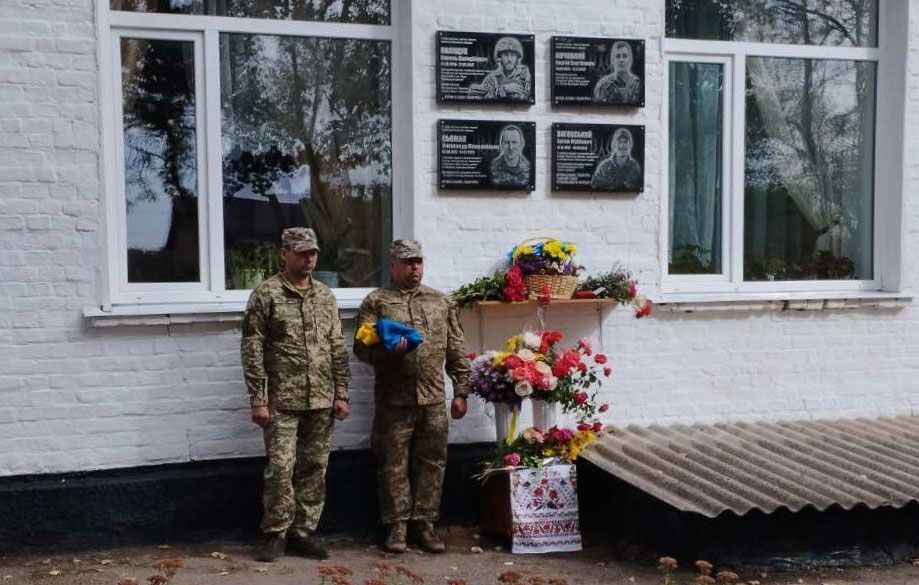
x,y
486,155
599,72
598,157
485,68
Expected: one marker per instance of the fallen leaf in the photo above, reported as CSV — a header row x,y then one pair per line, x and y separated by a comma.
x,y
220,555
163,546
509,563
76,561
105,562
261,570
54,573
476,550
224,573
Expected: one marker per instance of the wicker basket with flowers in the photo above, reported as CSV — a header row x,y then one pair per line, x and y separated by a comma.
x,y
548,267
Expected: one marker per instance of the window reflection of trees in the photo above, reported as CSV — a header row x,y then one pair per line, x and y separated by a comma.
x,y
813,22
306,127
809,168
160,160
349,11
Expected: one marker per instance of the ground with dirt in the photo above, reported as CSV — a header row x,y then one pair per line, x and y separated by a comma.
x,y
232,564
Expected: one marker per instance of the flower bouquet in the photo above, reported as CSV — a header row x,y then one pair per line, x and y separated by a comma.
x,y
548,267
537,448
616,284
531,365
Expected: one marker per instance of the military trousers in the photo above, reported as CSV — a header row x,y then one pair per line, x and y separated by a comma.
x,y
297,444
410,447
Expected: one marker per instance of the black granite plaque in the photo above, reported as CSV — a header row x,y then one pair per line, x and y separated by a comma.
x,y
599,72
598,157
485,68
486,155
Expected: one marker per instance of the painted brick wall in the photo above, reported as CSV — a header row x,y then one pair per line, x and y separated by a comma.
x,y
73,397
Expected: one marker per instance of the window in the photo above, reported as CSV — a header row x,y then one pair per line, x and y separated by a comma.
x,y
229,121
771,134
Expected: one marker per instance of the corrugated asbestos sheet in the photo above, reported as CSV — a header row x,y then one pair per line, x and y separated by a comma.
x,y
738,467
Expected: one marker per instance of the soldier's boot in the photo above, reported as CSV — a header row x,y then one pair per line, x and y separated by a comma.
x,y
395,538
306,546
270,548
427,538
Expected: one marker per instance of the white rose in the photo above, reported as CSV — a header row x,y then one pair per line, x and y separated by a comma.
x,y
526,355
532,340
553,382
523,389
543,368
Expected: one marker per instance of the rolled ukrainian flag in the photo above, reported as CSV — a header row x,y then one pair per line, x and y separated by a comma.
x,y
388,333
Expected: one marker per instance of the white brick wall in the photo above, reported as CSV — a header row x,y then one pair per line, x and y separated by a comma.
x,y
73,397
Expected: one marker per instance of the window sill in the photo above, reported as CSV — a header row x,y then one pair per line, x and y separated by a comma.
x,y
183,313
792,301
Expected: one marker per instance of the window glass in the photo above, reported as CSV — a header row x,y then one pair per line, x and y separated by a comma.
x,y
306,142
161,175
695,161
348,11
841,23
809,159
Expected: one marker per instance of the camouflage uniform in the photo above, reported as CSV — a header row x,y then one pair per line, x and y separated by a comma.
x,y
612,90
617,177
409,436
503,173
516,85
295,362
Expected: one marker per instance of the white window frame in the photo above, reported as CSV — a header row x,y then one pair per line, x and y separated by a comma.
x,y
210,294
888,165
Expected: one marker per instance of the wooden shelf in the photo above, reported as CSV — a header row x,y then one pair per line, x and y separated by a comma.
x,y
566,303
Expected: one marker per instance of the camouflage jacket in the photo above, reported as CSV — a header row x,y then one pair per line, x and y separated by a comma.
x,y
516,85
293,351
416,377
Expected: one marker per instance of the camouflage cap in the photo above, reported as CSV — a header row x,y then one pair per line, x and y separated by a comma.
x,y
406,249
299,239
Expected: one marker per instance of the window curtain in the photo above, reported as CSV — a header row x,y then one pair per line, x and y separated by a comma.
x,y
695,162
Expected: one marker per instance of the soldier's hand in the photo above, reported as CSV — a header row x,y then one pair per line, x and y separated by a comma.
x,y
458,407
260,416
341,409
401,348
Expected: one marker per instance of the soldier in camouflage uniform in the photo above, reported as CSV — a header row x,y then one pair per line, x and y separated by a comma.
x,y
410,425
510,167
296,368
511,79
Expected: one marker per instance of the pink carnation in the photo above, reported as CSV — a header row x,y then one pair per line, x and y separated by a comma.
x,y
604,407
580,397
512,362
512,459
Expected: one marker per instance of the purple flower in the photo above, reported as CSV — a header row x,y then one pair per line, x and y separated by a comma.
x,y
490,383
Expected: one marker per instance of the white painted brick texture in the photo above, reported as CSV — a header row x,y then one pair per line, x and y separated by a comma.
x,y
76,398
